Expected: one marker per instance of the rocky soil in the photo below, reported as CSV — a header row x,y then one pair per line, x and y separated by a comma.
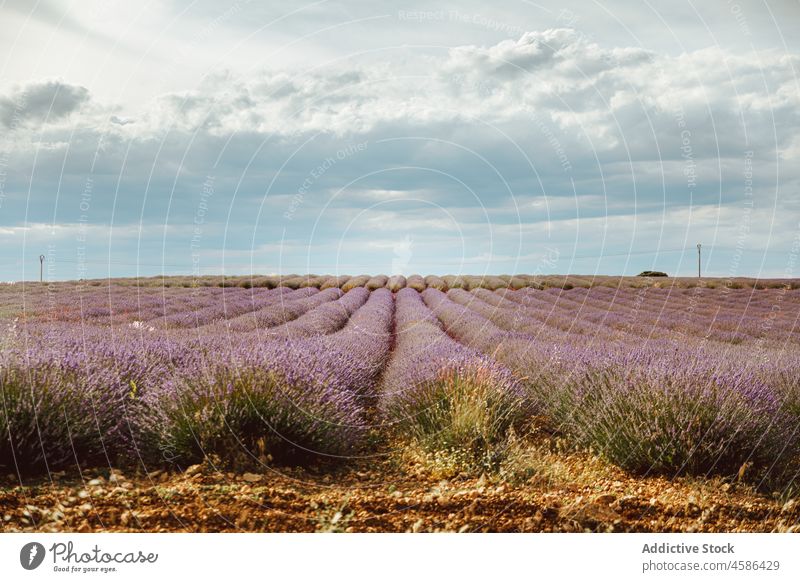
x,y
380,497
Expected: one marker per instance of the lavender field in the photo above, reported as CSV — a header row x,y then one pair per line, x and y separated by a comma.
x,y
457,377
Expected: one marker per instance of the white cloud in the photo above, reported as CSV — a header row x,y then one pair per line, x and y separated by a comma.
x,y
459,141
606,96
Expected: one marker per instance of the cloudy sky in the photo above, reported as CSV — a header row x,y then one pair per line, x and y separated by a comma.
x,y
398,137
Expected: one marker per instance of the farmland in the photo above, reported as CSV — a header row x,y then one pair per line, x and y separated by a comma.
x,y
377,403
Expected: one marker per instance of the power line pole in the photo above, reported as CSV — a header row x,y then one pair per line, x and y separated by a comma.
x,y
698,259
41,268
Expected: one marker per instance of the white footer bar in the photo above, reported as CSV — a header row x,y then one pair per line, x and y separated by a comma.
x,y
401,557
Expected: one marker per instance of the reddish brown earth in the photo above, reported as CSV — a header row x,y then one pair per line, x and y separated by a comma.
x,y
579,494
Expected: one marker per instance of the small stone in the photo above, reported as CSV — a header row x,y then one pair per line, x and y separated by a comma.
x,y
605,499
251,477
83,494
241,521
154,474
591,514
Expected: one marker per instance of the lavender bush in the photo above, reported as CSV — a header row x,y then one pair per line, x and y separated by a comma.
x,y
247,410
658,408
668,414
288,398
443,395
666,380
57,412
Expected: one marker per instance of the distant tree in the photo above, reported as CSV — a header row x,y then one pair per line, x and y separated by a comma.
x,y
652,274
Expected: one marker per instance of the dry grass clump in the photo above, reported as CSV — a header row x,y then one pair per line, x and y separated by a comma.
x,y
580,282
292,281
416,282
266,282
532,281
455,282
377,282
313,281
561,282
435,282
353,282
395,283
334,282
517,283
491,283
461,419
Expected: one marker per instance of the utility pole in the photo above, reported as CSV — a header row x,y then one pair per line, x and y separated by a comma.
x,y
698,260
41,268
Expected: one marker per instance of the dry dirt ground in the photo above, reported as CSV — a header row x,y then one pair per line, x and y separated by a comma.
x,y
561,492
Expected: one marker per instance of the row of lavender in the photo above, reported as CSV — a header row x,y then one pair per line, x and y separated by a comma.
x,y
287,377
118,303
669,404
727,316
299,371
